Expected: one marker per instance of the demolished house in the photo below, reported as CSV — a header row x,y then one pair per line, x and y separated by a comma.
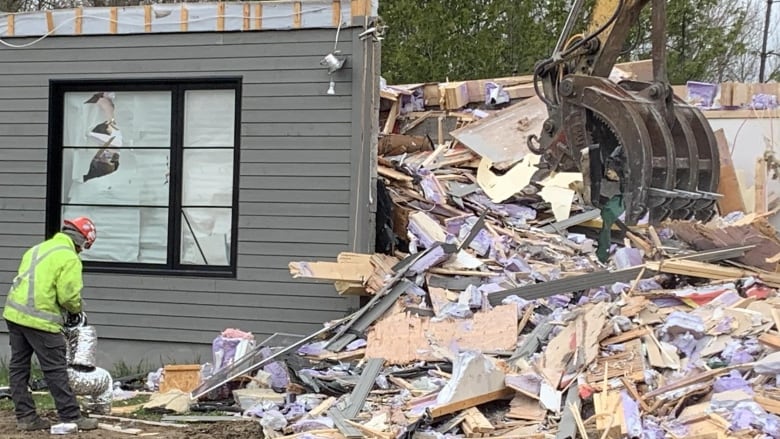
x,y
497,305
210,142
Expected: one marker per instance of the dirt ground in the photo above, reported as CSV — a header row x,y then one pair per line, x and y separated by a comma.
x,y
226,430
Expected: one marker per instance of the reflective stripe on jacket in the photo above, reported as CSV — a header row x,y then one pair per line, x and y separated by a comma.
x,y
48,282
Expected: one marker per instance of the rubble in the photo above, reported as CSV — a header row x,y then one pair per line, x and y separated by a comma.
x,y
497,305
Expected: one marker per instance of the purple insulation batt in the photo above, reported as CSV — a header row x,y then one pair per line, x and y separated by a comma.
x,y
434,257
224,349
679,323
628,257
632,419
431,188
277,369
732,381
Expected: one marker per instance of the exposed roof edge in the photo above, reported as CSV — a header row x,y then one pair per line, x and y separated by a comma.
x,y
187,17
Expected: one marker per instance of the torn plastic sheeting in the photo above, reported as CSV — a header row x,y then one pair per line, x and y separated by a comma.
x,y
274,420
680,322
471,297
455,310
628,257
748,414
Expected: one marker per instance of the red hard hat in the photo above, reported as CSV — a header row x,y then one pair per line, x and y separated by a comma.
x,y
86,227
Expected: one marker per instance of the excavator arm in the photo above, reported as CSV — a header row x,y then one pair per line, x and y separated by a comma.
x,y
633,140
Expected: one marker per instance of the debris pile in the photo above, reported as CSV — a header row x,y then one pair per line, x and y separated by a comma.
x,y
499,306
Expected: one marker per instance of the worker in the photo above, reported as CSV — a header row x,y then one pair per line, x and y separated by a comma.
x,y
45,293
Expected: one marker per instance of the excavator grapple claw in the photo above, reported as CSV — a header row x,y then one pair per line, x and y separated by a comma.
x,y
624,145
633,141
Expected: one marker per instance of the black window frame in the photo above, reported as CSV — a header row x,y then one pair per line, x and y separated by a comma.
x,y
178,87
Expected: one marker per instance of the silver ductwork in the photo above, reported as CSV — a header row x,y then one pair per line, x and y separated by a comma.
x,y
85,378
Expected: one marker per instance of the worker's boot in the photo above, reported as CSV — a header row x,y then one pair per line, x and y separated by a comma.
x,y
86,423
33,424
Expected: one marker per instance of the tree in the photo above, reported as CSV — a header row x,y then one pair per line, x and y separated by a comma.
x,y
432,40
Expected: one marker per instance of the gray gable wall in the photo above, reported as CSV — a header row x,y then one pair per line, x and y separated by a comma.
x,y
304,174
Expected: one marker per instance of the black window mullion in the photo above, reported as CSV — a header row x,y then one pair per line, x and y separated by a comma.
x,y
176,226
177,179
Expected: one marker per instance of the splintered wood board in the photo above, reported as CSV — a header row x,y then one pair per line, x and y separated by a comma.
x,y
629,364
403,338
525,408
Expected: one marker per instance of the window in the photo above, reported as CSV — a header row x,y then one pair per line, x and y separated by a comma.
x,y
154,163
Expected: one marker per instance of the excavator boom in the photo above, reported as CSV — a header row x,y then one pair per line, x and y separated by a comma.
x,y
633,141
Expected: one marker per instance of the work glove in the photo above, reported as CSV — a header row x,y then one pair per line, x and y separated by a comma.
x,y
75,320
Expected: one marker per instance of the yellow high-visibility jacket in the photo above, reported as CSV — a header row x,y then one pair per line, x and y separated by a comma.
x,y
49,281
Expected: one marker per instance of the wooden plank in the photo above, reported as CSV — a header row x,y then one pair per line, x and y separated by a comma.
x,y
138,421
247,14
206,418
336,10
258,22
728,185
360,8
147,18
116,429
10,21
372,432
114,20
220,16
78,22
760,206
446,409
770,340
453,95
323,407
391,118
331,271
296,15
626,336
50,21
769,404
476,422
184,18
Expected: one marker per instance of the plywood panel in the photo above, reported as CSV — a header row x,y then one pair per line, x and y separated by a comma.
x,y
401,338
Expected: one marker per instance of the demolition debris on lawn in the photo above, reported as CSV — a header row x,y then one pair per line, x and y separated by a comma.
x,y
499,306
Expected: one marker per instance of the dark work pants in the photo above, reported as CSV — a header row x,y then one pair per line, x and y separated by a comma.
x,y
50,350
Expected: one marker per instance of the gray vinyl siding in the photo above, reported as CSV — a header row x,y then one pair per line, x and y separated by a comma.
x,y
301,181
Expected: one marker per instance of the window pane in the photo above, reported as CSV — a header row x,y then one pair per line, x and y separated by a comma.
x,y
208,177
205,236
125,234
134,119
209,118
98,176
